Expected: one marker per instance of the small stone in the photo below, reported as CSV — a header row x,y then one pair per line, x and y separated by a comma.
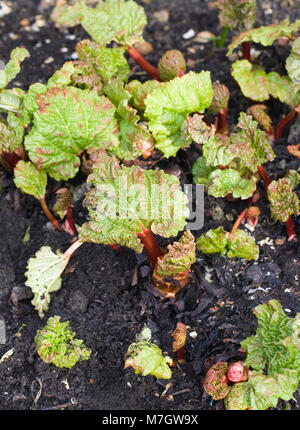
x,y
63,50
280,241
2,331
229,217
24,22
189,34
193,334
49,60
204,36
20,293
162,15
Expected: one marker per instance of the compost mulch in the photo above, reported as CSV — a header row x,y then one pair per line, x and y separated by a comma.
x,y
107,295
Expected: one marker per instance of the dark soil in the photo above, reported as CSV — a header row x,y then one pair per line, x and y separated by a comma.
x,y
105,308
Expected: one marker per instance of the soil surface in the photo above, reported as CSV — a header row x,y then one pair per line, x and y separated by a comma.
x,y
105,294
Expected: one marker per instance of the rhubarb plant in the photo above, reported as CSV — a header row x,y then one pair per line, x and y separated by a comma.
x,y
230,164
236,14
171,271
55,344
284,202
273,355
146,359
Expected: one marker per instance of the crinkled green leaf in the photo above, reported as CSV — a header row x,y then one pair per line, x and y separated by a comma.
x,y
146,359
63,200
253,80
69,120
201,171
134,136
284,202
217,151
168,106
108,62
199,131
221,98
12,68
11,133
284,89
265,35
123,197
229,181
180,256
242,245
10,102
214,241
44,276
139,91
240,14
251,144
260,115
215,383
292,64
111,20
55,344
29,179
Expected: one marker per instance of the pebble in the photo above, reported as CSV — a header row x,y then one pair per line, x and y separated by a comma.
x,y
144,48
162,15
4,9
49,60
2,331
204,36
24,22
189,34
193,334
63,50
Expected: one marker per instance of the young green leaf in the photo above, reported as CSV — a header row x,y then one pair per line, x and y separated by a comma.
x,y
55,344
201,171
68,121
217,151
11,133
124,197
63,200
240,14
284,89
147,359
29,179
229,181
139,91
252,80
221,98
44,275
121,21
180,256
12,68
215,382
168,107
198,130
260,115
171,65
107,62
237,244
284,202
265,35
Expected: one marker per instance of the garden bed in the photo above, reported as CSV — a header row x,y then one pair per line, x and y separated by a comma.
x,y
105,294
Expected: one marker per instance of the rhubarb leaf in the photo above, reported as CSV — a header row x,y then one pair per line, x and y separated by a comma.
x,y
199,131
63,200
217,151
242,245
12,68
251,143
292,64
124,197
221,98
201,171
284,202
147,359
44,276
55,344
260,115
111,20
283,88
215,382
135,138
29,179
265,35
179,257
237,244
107,62
240,14
11,133
229,181
139,91
168,107
252,80
68,121
213,242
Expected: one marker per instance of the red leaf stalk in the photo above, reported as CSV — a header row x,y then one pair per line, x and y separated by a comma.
x,y
49,214
238,221
283,123
246,46
222,127
150,244
9,160
143,63
70,219
290,230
